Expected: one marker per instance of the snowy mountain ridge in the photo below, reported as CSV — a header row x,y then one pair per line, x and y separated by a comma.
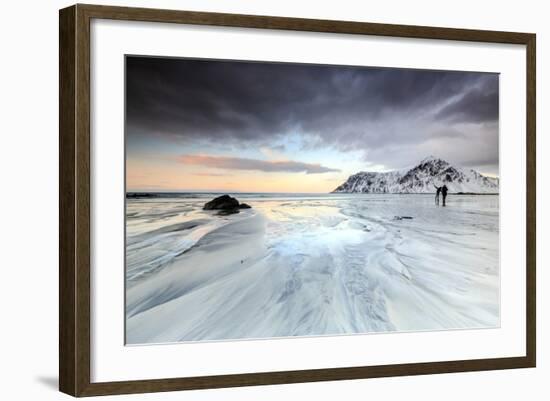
x,y
421,179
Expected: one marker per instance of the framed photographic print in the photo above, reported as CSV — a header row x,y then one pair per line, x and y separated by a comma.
x,y
250,200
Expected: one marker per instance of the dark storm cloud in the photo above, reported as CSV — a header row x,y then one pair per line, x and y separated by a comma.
x,y
349,108
237,163
480,104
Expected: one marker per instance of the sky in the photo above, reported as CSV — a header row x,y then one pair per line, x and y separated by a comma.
x,y
233,126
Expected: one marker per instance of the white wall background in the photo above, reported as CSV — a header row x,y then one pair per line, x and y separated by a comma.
x,y
28,198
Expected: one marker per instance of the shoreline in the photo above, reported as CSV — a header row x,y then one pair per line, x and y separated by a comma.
x,y
149,194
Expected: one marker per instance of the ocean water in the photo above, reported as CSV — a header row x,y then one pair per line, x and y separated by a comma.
x,y
308,265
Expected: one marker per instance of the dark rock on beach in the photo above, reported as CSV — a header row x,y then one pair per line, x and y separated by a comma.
x,y
225,204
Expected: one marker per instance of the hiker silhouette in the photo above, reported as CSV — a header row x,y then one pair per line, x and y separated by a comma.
x,y
444,190
437,192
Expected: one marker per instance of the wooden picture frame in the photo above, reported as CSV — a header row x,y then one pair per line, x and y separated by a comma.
x,y
74,200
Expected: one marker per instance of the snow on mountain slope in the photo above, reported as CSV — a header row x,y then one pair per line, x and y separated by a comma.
x,y
421,179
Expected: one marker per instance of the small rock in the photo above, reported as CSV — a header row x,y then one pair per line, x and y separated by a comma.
x,y
226,205
402,217
224,202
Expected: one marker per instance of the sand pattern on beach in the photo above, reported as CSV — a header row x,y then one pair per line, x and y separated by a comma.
x,y
309,265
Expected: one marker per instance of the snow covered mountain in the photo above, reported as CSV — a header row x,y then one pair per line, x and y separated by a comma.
x,y
421,179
